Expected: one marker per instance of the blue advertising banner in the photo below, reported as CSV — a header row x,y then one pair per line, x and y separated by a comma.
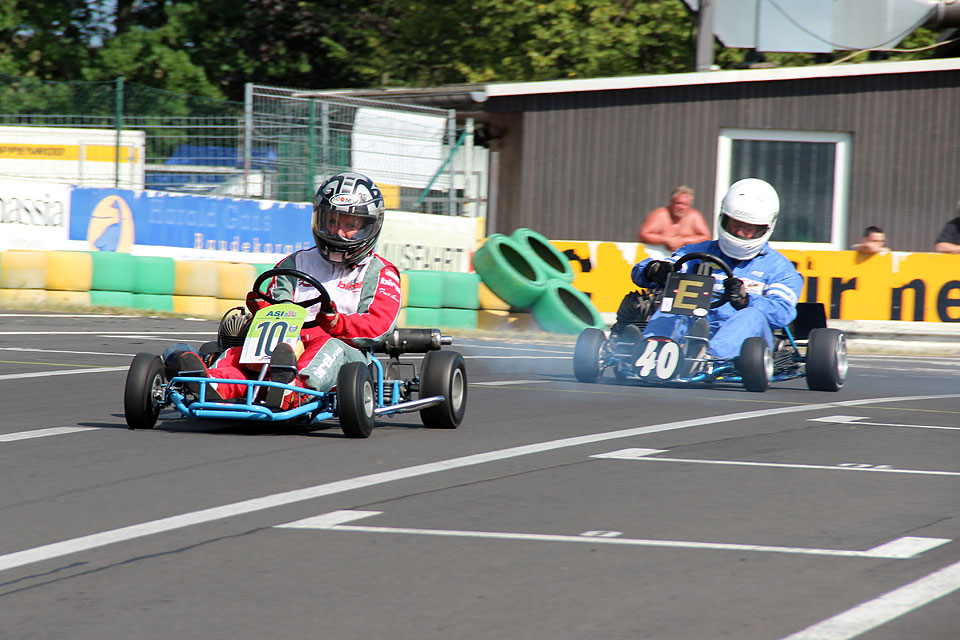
x,y
116,219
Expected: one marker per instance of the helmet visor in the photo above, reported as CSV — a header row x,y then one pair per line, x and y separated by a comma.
x,y
744,230
345,228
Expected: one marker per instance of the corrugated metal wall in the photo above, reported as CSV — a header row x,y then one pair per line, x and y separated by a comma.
x,y
590,165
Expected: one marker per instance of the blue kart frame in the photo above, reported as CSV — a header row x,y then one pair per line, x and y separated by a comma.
x,y
363,391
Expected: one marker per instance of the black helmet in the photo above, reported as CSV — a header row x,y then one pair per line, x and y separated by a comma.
x,y
350,194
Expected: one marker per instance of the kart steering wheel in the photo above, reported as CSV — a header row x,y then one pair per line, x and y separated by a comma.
x,y
323,298
707,259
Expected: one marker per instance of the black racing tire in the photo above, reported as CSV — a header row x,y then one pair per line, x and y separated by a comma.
x,y
143,391
586,355
562,308
504,267
826,360
443,373
539,248
755,364
356,400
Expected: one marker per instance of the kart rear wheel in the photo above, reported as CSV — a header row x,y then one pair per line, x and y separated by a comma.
x,y
826,360
356,399
443,374
586,355
143,391
755,364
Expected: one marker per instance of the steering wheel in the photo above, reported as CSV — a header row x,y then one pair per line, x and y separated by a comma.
x,y
323,298
707,259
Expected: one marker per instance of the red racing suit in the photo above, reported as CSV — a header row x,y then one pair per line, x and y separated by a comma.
x,y
368,300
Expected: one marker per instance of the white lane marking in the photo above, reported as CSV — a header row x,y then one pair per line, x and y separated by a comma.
x,y
898,549
882,609
500,383
81,353
856,421
65,372
131,532
644,454
102,334
473,357
42,433
91,316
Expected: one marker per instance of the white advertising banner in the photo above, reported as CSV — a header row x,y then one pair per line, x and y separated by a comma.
x,y
34,215
423,241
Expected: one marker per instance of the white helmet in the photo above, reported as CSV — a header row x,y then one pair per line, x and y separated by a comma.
x,y
748,215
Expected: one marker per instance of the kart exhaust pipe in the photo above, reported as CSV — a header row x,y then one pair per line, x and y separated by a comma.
x,y
406,407
413,341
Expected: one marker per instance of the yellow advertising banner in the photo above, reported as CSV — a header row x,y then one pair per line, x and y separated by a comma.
x,y
92,152
851,286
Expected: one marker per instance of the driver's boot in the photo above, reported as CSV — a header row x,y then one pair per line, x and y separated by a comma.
x,y
191,365
283,368
698,338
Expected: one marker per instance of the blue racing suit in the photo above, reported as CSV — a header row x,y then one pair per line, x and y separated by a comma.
x,y
773,286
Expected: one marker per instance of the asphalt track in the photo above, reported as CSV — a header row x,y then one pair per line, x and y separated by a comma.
x,y
559,510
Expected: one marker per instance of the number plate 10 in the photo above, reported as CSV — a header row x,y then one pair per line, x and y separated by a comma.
x,y
271,326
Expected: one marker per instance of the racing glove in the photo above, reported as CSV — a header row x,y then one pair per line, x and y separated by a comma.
x,y
329,317
254,302
736,293
658,270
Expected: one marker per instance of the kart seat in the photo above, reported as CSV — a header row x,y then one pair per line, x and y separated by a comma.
x,y
810,315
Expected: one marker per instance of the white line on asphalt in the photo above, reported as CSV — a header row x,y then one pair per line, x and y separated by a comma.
x,y
644,454
42,433
80,353
131,532
103,334
899,549
65,372
882,609
855,420
91,316
500,383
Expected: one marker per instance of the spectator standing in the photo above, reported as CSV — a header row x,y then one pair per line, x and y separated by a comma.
x,y
949,239
874,240
675,225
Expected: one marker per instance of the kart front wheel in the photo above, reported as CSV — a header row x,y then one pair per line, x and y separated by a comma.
x,y
143,391
586,355
443,374
755,364
356,399
826,360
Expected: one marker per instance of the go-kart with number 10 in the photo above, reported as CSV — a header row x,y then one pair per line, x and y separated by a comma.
x,y
805,349
364,392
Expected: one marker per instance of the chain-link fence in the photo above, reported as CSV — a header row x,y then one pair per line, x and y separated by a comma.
x,y
278,144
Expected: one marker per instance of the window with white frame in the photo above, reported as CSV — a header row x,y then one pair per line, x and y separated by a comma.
x,y
809,171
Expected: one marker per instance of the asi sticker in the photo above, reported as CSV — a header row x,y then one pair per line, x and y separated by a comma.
x,y
687,294
271,326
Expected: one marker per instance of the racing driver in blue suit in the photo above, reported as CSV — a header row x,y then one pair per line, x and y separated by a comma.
x,y
763,291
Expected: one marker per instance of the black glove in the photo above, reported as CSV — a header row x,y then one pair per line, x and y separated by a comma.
x,y
736,293
658,270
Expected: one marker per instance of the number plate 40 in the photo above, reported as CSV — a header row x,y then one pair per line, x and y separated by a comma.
x,y
659,359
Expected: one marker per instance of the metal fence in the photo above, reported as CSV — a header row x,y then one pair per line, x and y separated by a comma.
x,y
278,144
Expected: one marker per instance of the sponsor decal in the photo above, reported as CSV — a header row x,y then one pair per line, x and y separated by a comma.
x,y
344,198
328,360
390,294
281,314
349,286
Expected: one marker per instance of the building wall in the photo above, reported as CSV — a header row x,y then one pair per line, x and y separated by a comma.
x,y
590,165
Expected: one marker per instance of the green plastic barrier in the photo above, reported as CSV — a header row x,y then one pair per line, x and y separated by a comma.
x,y
112,299
564,309
112,271
458,318
539,249
426,289
154,275
504,267
153,301
419,317
461,291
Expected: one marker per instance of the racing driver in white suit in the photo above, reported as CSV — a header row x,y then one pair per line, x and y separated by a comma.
x,y
364,289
